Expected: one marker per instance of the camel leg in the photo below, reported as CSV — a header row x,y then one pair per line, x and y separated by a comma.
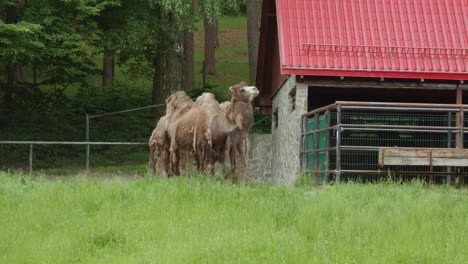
x,y
232,157
197,160
183,160
222,158
175,162
241,150
200,158
211,167
203,159
164,163
174,156
151,162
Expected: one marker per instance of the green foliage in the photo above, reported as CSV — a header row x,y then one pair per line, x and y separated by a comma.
x,y
55,37
212,8
62,118
68,35
198,220
262,123
5,3
64,41
20,42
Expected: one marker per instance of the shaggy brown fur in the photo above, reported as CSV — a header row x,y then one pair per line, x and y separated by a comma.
x,y
240,111
212,147
203,130
159,148
177,105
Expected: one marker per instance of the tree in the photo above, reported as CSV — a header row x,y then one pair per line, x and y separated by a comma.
x,y
154,37
13,67
188,79
211,9
55,38
110,24
253,34
211,43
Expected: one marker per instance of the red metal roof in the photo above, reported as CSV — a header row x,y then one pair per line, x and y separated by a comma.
x,y
370,38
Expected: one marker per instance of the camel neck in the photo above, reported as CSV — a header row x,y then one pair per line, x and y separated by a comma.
x,y
235,101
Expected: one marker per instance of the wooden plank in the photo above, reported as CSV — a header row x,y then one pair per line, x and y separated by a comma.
x,y
423,157
405,161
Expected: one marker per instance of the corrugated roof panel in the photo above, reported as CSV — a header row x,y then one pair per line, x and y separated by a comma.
x,y
374,38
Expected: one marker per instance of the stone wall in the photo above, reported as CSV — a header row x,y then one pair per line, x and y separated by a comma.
x,y
288,105
259,163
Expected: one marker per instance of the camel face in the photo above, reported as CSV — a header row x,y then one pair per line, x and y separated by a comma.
x,y
253,91
243,92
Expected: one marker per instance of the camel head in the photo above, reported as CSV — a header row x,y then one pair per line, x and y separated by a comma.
x,y
244,93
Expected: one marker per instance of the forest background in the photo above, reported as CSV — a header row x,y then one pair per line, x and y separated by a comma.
x,y
63,59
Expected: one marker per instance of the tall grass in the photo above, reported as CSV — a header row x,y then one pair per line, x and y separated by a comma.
x,y
197,220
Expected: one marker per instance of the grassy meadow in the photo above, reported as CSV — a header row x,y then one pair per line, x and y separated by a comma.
x,y
117,216
199,220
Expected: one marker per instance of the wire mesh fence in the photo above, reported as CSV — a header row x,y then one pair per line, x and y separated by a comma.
x,y
72,143
77,143
348,140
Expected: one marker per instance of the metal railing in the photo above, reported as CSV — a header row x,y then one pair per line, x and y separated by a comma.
x,y
341,141
99,140
31,145
72,143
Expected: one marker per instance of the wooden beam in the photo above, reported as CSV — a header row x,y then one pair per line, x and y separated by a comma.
x,y
423,157
377,84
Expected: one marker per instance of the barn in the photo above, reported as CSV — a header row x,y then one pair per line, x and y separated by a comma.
x,y
365,88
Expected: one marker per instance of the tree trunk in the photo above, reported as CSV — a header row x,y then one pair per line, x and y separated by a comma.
x,y
216,35
160,89
108,70
20,74
10,71
159,86
253,34
210,45
188,61
174,69
188,80
166,79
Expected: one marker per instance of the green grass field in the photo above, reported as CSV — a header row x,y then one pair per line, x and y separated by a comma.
x,y
197,220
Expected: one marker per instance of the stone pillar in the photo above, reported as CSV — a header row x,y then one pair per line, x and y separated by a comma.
x,y
288,105
259,164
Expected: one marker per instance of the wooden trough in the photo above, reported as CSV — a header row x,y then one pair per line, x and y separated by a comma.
x,y
442,157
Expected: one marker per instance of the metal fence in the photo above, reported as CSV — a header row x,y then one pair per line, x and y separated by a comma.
x,y
342,141
74,143
70,143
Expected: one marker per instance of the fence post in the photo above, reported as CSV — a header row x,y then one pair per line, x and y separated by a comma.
x,y
338,144
316,147
327,146
87,146
462,130
30,159
302,153
449,145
